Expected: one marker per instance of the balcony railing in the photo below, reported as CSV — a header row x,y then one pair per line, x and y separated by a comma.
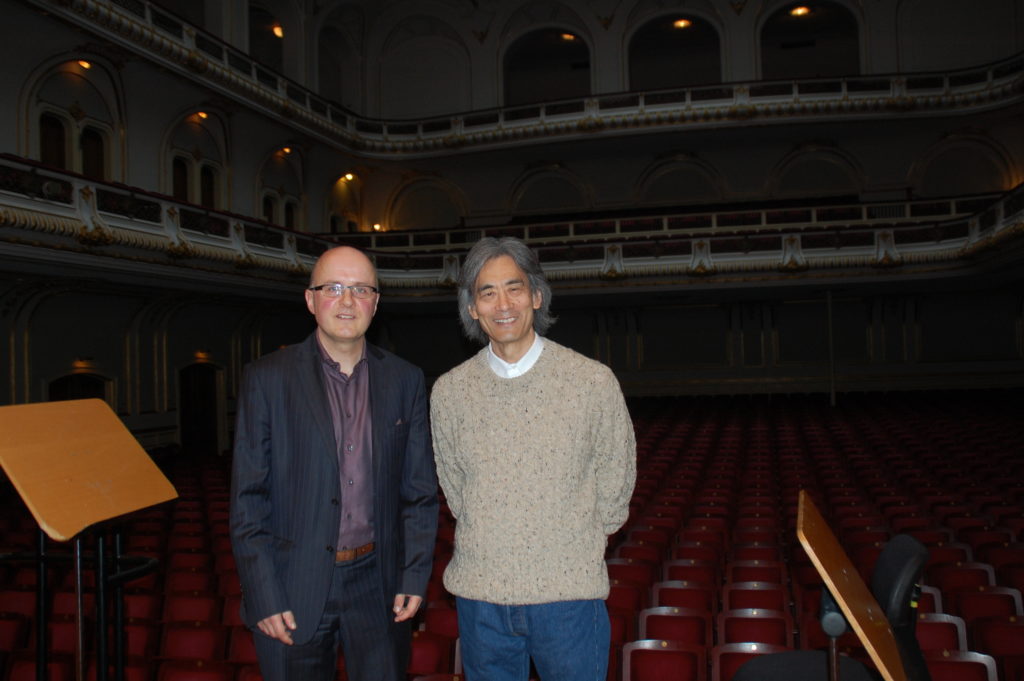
x,y
145,27
830,238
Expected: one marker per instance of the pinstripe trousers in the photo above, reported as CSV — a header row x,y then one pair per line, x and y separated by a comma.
x,y
358,618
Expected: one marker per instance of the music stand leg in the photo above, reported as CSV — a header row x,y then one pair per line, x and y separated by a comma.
x,y
42,595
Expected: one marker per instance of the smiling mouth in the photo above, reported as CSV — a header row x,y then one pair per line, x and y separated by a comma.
x,y
505,320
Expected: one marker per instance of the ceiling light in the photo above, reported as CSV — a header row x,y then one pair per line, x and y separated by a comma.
x,y
682,23
277,30
800,11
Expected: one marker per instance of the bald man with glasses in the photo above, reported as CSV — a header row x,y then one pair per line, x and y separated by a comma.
x,y
334,494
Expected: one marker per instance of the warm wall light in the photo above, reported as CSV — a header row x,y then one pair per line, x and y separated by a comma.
x,y
201,356
349,177
376,226
83,365
800,11
84,64
286,150
202,114
277,30
682,23
568,37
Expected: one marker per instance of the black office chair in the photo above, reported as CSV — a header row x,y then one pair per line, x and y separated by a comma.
x,y
895,584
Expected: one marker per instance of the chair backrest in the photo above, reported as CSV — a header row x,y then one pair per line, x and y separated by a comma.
x,y
659,660
939,631
961,666
895,583
683,625
986,601
727,658
751,625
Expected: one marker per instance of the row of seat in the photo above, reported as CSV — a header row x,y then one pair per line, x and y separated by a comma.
x,y
713,513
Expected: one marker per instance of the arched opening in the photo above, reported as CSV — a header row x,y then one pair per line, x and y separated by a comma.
x,y
821,42
196,149
208,186
269,208
546,65
93,145
674,51
179,178
424,205
78,386
53,143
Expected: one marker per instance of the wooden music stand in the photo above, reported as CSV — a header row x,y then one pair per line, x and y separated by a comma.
x,y
75,464
862,611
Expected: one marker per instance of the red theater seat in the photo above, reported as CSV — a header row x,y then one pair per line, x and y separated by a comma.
x,y
682,625
659,660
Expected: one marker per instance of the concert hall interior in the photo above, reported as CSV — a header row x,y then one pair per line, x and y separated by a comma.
x,y
793,230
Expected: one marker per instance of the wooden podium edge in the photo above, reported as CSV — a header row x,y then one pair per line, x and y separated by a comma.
x,y
843,580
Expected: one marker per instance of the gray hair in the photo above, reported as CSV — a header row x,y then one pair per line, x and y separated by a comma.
x,y
525,259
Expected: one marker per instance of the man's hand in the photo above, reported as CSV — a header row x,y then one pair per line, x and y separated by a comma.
x,y
406,606
279,626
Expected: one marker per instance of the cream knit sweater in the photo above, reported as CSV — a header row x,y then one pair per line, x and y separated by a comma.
x,y
537,470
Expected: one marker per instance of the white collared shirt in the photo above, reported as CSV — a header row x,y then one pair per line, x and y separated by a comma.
x,y
512,370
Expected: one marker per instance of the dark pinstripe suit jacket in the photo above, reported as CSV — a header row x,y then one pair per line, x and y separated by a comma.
x,y
285,484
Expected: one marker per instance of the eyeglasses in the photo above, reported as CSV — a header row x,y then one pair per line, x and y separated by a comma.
x,y
361,291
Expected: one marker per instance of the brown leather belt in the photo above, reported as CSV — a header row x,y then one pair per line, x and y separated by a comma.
x,y
346,555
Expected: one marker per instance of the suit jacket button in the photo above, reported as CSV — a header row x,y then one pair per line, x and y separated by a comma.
x,y
330,549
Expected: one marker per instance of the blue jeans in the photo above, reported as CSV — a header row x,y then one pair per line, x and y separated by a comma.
x,y
568,640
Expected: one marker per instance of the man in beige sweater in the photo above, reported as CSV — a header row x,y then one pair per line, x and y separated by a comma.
x,y
536,456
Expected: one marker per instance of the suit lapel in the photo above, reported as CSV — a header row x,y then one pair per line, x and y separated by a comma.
x,y
311,378
379,405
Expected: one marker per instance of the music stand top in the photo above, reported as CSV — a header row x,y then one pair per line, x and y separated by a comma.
x,y
862,611
75,464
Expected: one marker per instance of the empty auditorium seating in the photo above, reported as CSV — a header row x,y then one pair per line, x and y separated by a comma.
x,y
716,505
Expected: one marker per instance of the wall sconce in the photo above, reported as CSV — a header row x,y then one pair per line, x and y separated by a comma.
x,y
85,64
201,356
682,23
376,227
83,365
277,30
202,115
800,11
286,150
348,177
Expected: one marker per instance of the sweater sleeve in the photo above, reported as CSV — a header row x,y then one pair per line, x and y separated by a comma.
x,y
449,473
615,452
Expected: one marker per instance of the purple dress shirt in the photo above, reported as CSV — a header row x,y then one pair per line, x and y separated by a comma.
x,y
349,399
